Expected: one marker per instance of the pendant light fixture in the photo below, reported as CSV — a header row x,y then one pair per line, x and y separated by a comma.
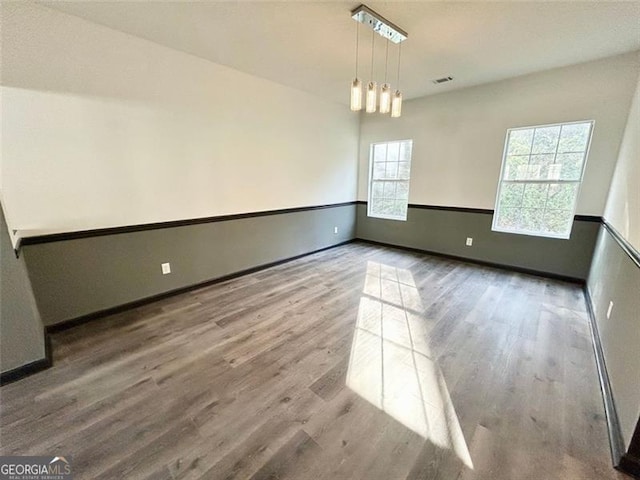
x,y
372,87
356,84
385,90
388,102
396,103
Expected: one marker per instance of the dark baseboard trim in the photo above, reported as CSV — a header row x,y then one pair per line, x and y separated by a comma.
x,y
630,465
67,324
634,447
629,249
30,368
57,237
616,443
511,268
587,218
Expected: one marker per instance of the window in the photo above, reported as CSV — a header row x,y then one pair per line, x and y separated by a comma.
x,y
389,170
541,174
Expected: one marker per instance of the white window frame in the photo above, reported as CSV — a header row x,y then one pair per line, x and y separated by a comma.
x,y
371,180
502,181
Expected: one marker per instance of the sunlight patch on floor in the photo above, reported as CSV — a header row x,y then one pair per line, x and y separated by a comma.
x,y
391,365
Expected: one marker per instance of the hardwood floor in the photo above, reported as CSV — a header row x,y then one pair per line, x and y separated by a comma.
x,y
357,362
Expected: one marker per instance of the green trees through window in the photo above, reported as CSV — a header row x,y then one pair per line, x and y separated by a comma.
x,y
541,174
389,172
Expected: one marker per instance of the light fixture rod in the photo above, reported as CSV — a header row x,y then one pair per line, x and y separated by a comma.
x,y
379,24
386,61
357,46
373,42
399,57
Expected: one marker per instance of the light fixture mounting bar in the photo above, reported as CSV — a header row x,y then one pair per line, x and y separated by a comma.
x,y
379,24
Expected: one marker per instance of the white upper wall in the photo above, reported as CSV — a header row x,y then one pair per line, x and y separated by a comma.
x,y
100,128
459,136
623,204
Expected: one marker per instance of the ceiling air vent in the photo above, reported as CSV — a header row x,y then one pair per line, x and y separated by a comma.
x,y
438,81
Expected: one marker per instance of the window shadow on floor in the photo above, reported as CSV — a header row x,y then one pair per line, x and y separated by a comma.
x,y
391,365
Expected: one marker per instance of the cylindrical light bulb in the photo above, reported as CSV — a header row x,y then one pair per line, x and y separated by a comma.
x,y
356,95
396,104
372,92
385,98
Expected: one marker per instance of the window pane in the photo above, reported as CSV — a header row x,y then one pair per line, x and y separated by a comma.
x,y
392,170
533,172
554,171
388,206
545,140
508,218
520,142
400,209
511,195
402,191
561,196
535,195
531,219
378,170
376,206
514,166
571,165
405,151
377,189
380,152
557,222
403,170
542,162
574,137
389,189
393,152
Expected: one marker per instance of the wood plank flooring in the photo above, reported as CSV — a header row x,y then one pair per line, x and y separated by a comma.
x,y
360,362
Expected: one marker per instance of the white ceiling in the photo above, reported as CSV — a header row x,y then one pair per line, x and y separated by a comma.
x,y
311,45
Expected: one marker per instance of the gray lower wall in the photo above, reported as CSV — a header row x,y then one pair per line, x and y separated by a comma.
x,y
445,231
72,278
615,277
21,331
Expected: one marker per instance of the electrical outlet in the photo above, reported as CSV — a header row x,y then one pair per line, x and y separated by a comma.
x,y
469,241
335,230
166,268
609,309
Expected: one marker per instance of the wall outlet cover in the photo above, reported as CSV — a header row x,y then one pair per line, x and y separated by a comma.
x,y
166,268
469,241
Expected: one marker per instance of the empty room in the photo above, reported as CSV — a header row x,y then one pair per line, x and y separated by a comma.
x,y
319,240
